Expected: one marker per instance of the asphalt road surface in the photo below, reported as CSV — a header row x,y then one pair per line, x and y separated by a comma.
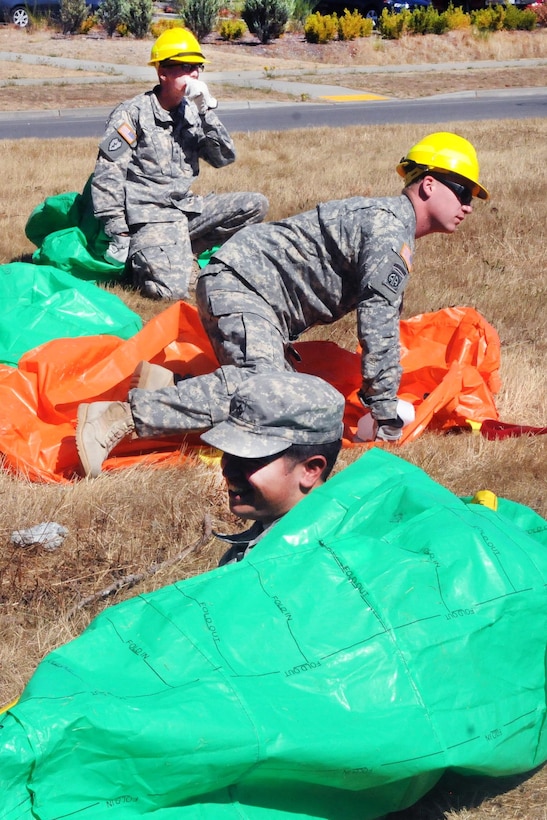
x,y
507,104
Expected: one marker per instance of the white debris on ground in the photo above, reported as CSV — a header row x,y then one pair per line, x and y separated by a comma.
x,y
48,534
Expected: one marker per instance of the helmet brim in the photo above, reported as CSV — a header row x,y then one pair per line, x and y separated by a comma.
x,y
192,60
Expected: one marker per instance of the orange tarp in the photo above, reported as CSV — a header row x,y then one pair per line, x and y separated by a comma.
x,y
450,360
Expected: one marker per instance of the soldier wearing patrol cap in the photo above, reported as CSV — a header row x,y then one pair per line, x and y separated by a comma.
x,y
280,441
271,282
147,163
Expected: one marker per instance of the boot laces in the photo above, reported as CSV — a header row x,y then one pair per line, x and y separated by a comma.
x,y
116,432
118,428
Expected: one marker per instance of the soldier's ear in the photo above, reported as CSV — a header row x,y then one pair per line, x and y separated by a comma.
x,y
311,471
427,186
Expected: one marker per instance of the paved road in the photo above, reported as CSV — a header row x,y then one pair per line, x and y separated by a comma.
x,y
321,105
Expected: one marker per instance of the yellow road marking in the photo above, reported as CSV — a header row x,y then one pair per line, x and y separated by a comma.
x,y
353,97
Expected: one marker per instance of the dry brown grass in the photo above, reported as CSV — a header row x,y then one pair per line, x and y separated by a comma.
x,y
127,522
291,49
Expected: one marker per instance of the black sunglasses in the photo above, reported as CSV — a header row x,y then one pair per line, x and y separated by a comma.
x,y
464,194
187,68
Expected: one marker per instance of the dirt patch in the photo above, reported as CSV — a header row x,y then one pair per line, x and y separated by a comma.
x,y
48,97
24,71
425,84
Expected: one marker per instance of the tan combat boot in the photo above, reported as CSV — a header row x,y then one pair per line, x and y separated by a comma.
x,y
101,426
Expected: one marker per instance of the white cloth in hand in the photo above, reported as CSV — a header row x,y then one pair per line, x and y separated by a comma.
x,y
117,250
197,91
368,428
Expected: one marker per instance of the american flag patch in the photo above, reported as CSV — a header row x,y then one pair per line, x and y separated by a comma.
x,y
127,133
406,254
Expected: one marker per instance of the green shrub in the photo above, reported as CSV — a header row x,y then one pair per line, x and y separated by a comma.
x,y
427,21
352,25
456,18
512,18
507,17
393,26
266,19
520,19
301,10
320,28
140,18
489,19
113,13
200,16
73,14
232,29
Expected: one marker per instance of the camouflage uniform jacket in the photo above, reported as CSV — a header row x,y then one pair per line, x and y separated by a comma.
x,y
242,542
150,178
315,267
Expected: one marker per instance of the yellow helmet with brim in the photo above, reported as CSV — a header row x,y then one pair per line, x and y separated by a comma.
x,y
176,45
446,154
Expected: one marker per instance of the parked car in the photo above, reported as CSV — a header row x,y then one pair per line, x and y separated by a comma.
x,y
370,8
19,13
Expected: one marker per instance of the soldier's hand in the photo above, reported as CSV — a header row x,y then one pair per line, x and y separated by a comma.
x,y
118,249
197,91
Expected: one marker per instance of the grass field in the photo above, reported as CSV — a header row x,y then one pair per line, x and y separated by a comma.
x,y
126,521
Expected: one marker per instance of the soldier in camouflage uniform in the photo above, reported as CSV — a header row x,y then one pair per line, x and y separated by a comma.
x,y
147,163
271,282
280,441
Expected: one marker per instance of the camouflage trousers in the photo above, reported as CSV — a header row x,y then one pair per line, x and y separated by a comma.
x,y
161,254
247,338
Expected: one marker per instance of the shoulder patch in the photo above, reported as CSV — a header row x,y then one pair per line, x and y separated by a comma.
x,y
129,135
117,141
395,279
390,279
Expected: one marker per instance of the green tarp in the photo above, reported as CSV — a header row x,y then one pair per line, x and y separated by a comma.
x,y
40,303
383,632
69,237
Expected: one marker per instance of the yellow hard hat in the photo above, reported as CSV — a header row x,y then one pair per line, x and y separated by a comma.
x,y
178,45
445,153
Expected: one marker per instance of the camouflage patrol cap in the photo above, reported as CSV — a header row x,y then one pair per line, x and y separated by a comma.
x,y
269,413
